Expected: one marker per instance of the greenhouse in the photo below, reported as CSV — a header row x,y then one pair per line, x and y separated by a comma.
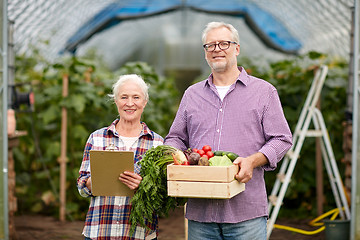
x,y
60,60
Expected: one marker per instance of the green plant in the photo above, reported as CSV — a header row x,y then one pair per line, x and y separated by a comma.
x,y
88,108
293,78
151,195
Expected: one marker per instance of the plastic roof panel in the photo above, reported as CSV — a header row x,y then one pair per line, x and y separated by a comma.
x,y
269,29
322,25
114,13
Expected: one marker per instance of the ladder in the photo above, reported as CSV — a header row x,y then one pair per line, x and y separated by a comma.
x,y
309,113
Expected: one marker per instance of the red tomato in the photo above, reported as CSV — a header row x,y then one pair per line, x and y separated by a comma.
x,y
206,148
195,150
201,152
185,163
205,156
210,154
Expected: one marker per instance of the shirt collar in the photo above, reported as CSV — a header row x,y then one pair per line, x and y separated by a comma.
x,y
243,77
145,129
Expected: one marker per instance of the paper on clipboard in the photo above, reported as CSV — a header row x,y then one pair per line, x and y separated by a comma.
x,y
105,167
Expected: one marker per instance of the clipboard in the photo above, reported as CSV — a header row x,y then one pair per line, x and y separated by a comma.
x,y
105,167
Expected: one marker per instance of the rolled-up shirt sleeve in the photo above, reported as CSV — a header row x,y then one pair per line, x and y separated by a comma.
x,y
178,134
276,132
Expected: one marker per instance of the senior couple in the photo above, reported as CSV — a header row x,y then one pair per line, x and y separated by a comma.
x,y
230,110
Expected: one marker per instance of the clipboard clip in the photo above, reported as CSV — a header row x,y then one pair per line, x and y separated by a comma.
x,y
111,147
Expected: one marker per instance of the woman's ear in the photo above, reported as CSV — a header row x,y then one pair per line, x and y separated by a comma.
x,y
115,101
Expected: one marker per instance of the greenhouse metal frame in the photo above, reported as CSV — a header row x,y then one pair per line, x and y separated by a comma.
x,y
355,207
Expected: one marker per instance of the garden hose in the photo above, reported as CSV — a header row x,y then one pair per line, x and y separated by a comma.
x,y
314,223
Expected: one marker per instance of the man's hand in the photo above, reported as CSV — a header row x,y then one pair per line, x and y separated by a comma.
x,y
130,179
247,165
245,169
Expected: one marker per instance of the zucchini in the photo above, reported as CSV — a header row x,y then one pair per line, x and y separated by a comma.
x,y
219,153
230,155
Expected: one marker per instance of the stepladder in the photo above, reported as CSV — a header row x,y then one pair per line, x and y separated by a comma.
x,y
309,114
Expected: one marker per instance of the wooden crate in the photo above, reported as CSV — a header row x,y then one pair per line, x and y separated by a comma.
x,y
203,181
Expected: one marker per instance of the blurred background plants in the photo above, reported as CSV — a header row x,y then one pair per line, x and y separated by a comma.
x,y
292,79
89,108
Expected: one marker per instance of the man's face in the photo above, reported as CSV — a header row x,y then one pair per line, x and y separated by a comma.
x,y
221,60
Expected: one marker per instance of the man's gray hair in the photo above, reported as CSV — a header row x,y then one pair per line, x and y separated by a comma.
x,y
213,25
130,78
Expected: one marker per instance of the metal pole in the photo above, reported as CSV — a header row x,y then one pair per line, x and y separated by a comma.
x,y
63,158
355,199
4,92
319,174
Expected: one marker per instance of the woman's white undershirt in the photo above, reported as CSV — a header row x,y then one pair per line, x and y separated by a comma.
x,y
129,141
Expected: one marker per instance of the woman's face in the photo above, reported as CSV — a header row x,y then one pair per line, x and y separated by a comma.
x,y
130,102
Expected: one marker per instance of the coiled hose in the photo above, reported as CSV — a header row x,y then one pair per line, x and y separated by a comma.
x,y
314,223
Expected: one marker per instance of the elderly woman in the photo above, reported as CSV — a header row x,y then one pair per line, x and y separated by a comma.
x,y
108,216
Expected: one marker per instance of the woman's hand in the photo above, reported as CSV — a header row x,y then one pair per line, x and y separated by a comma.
x,y
88,183
130,179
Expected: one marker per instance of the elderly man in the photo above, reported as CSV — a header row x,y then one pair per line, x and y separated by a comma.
x,y
231,111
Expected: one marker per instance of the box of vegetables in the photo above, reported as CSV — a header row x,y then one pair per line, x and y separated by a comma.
x,y
170,176
203,173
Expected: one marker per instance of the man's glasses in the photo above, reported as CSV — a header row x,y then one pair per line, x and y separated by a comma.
x,y
222,45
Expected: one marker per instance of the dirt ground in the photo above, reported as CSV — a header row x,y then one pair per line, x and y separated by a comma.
x,y
171,228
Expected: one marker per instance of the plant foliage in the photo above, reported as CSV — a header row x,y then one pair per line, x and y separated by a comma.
x,y
293,78
89,108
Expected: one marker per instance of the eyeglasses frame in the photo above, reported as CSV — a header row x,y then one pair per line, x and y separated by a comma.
x,y
218,44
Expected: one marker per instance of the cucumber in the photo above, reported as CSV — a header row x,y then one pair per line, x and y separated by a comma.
x,y
219,153
230,155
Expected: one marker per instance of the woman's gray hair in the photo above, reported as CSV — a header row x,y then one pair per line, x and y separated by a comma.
x,y
130,78
213,25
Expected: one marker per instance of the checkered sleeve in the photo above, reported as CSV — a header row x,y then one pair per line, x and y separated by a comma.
x,y
84,172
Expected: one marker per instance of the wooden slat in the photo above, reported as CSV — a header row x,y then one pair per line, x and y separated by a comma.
x,y
202,173
205,189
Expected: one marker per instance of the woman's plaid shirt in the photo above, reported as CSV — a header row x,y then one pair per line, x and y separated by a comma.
x,y
108,217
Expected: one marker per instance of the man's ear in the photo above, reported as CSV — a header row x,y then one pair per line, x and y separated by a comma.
x,y
238,49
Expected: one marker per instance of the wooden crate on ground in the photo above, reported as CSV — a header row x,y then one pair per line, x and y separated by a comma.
x,y
203,181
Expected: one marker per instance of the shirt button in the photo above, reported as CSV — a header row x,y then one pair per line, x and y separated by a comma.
x,y
218,130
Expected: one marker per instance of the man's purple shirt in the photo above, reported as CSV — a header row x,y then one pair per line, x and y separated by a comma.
x,y
250,119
